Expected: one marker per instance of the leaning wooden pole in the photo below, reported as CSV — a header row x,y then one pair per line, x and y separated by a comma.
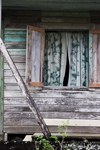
x,y
25,91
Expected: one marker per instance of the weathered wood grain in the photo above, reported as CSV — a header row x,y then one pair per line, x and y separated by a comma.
x,y
35,56
8,73
95,38
25,91
11,80
52,122
55,101
18,59
18,65
56,115
15,52
53,108
65,88
98,59
61,94
15,45
35,44
28,130
72,131
14,86
15,38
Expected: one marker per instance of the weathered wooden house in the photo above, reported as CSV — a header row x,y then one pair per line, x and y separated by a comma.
x,y
56,48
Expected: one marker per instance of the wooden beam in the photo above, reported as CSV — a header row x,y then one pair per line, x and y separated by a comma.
x,y
25,91
1,83
92,31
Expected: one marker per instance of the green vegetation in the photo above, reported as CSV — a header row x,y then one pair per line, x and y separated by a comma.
x,y
48,145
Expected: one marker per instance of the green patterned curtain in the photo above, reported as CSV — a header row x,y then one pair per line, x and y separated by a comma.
x,y
78,58
53,60
56,48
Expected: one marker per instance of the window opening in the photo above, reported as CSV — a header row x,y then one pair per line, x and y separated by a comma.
x,y
66,77
66,59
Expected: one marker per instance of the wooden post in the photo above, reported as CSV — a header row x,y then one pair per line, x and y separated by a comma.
x,y
25,91
1,100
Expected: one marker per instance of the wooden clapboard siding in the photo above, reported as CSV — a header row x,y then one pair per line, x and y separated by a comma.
x,y
50,115
81,104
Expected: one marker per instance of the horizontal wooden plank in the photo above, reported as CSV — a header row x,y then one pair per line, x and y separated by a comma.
x,y
65,88
94,31
53,129
7,24
61,94
20,122
15,38
18,65
55,115
63,26
17,52
72,131
65,14
33,130
48,26
23,19
52,122
8,73
14,32
73,122
15,45
14,86
53,108
18,59
11,80
66,19
54,101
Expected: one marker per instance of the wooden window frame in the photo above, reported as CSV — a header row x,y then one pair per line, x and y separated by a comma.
x,y
92,83
80,27
28,69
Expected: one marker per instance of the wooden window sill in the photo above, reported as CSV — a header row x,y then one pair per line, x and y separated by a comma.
x,y
36,84
94,85
65,88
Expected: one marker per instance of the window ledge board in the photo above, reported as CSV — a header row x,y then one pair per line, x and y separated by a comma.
x,y
65,88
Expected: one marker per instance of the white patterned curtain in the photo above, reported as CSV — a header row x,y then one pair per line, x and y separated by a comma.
x,y
56,49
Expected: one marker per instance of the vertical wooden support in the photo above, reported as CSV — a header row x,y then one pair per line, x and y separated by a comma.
x,y
1,69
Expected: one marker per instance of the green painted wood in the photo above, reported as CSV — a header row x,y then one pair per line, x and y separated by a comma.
x,y
13,38
14,32
17,52
65,14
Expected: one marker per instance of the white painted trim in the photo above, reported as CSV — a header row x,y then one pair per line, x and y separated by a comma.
x,y
73,122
